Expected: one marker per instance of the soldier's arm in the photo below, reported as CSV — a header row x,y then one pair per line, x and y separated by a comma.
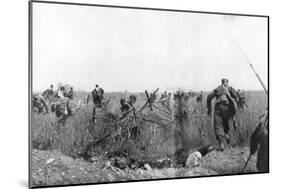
x,y
209,100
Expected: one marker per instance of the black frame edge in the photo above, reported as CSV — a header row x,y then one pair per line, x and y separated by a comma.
x,y
30,51
146,8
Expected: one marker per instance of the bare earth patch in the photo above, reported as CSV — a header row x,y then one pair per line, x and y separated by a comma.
x,y
55,168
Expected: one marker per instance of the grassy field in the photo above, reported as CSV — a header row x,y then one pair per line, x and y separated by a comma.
x,y
149,140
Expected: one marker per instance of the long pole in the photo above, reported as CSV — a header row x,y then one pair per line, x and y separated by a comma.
x,y
257,75
246,163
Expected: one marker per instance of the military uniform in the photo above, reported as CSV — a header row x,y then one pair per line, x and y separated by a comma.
x,y
225,108
69,94
40,102
259,141
199,98
97,95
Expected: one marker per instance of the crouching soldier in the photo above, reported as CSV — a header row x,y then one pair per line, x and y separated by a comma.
x,y
39,102
69,93
224,110
127,104
61,103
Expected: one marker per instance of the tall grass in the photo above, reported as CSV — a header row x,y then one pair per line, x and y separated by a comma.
x,y
147,140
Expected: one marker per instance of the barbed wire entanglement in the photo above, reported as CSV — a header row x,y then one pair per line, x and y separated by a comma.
x,y
129,121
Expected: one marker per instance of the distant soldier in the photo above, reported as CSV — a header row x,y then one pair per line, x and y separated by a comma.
x,y
60,93
69,93
164,95
259,141
152,97
100,91
165,103
39,102
199,97
241,103
62,102
126,104
225,108
97,95
48,92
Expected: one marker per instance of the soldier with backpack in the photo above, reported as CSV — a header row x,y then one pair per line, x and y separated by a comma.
x,y
97,95
224,110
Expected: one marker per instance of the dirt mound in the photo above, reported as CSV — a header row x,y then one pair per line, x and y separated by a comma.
x,y
231,161
55,168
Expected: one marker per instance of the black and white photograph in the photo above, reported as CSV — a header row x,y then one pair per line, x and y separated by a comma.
x,y
122,94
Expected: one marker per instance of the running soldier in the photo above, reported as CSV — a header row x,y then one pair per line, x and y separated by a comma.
x,y
39,102
61,104
224,110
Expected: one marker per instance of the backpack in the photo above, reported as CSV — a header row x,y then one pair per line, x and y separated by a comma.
x,y
223,97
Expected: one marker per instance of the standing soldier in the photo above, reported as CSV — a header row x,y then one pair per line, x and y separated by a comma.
x,y
225,108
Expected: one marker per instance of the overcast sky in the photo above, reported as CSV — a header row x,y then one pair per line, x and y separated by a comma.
x,y
134,50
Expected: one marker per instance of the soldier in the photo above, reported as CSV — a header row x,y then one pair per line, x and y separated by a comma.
x,y
97,95
199,97
60,94
224,110
48,92
40,103
126,104
241,103
99,90
69,93
62,101
259,141
164,95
